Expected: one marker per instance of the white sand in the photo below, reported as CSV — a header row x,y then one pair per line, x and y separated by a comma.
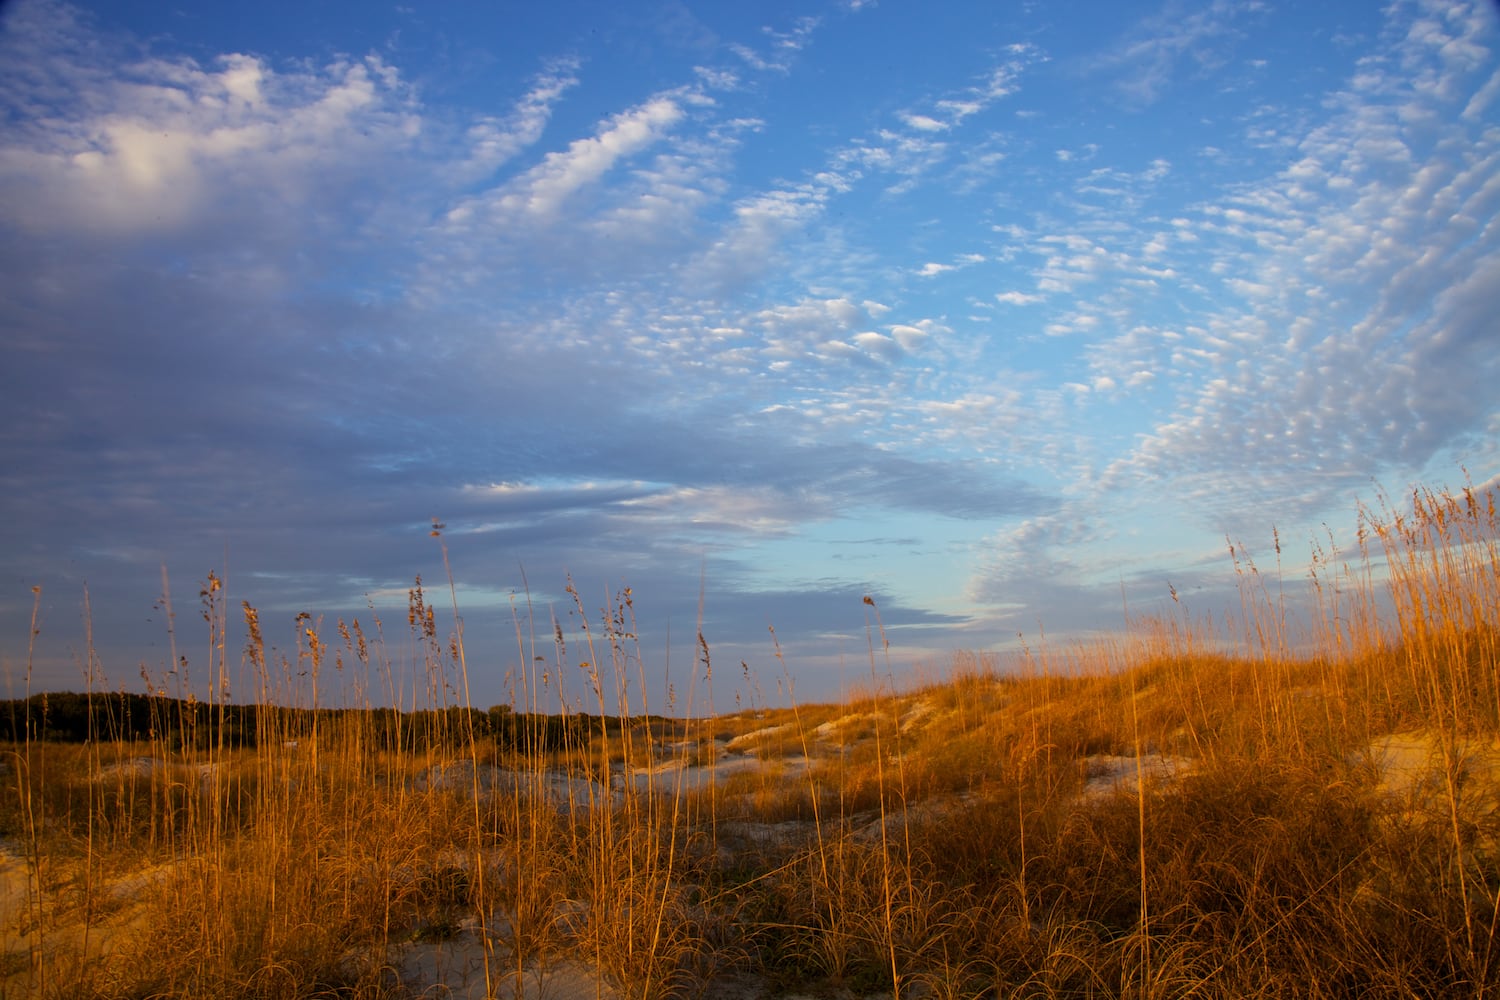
x,y
1109,774
455,970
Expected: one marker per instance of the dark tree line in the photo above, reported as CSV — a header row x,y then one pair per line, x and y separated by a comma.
x,y
70,717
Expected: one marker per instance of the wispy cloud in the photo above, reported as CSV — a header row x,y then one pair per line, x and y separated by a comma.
x,y
496,141
1365,277
1179,38
543,190
781,46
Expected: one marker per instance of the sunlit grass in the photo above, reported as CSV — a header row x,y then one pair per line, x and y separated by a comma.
x,y
1184,811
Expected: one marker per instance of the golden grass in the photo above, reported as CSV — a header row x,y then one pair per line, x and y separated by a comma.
x,y
1183,812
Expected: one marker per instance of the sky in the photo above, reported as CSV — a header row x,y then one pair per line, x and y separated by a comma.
x,y
1009,316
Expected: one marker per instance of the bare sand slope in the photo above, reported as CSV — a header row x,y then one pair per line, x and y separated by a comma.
x,y
454,970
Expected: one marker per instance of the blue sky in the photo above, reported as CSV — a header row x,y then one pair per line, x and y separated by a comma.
x,y
1007,315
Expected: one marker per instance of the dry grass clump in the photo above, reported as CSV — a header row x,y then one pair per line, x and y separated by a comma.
x,y
1189,811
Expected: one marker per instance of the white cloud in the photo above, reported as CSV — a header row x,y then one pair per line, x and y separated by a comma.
x,y
909,337
953,110
166,142
784,45
878,344
495,141
958,110
960,261
716,78
754,59
738,510
1019,298
811,314
838,350
749,243
1483,99
543,190
985,418
923,123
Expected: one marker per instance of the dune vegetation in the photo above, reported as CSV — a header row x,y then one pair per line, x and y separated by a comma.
x,y
1206,808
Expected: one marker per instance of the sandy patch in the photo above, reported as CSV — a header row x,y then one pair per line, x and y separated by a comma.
x,y
676,775
554,786
747,741
1109,774
569,791
915,714
1417,765
127,772
455,970
15,886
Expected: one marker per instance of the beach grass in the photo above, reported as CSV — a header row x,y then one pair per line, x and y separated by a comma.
x,y
1273,806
